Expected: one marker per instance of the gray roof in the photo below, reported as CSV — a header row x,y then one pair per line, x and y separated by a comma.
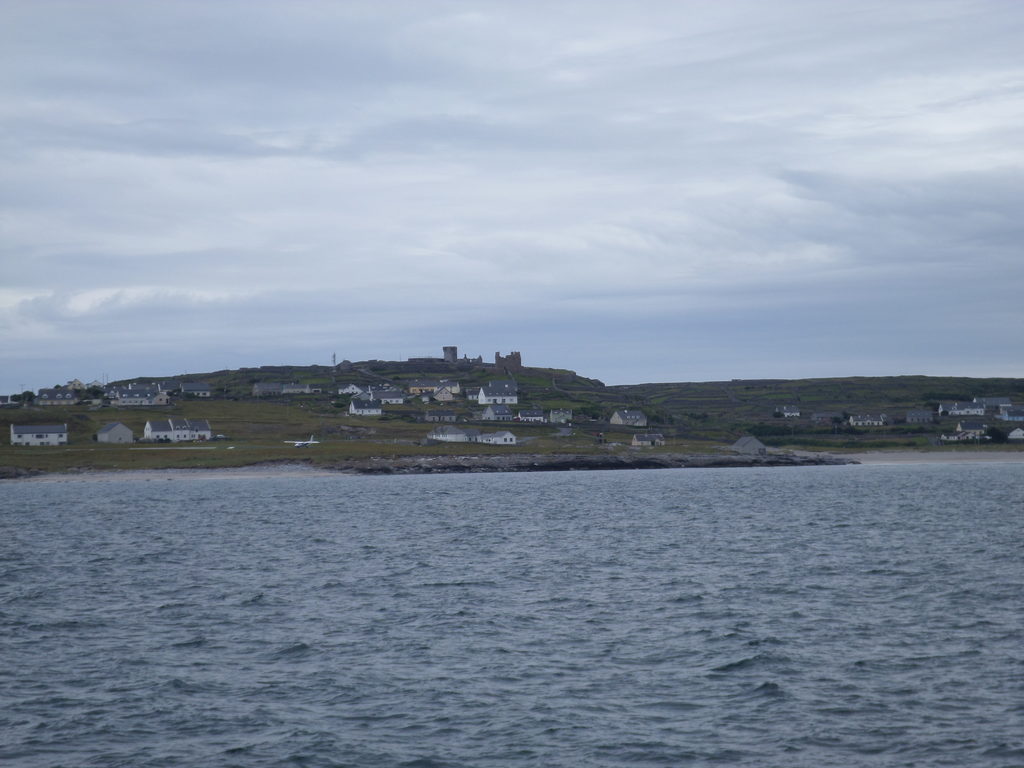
x,y
500,388
108,427
631,413
971,425
169,425
992,401
749,444
39,429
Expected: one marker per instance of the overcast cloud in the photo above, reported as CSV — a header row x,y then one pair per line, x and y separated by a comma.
x,y
651,191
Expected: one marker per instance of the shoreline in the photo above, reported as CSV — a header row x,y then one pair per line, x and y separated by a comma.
x,y
481,464
936,457
460,464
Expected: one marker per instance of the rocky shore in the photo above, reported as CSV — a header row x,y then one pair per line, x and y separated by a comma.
x,y
425,465
412,465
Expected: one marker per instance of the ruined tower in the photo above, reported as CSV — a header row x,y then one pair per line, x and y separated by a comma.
x,y
510,363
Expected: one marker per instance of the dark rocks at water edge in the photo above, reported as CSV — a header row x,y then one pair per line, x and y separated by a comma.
x,y
418,465
14,473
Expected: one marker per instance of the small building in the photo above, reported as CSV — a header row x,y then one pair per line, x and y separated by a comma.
x,y
115,432
532,415
971,428
647,440
497,413
498,438
140,397
560,415
447,434
39,434
439,415
195,389
920,417
789,411
868,420
365,407
350,389
267,388
444,393
749,445
423,386
389,396
1016,434
957,408
1011,414
629,417
294,388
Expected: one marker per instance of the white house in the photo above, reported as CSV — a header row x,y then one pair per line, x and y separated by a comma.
x,y
532,414
971,428
39,434
629,417
446,434
649,439
498,438
195,389
962,409
1011,414
177,430
869,420
132,396
789,411
350,389
365,407
497,413
560,415
499,392
115,432
389,396
294,388
1016,434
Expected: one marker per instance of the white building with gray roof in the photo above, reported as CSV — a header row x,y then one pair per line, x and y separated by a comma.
x,y
39,434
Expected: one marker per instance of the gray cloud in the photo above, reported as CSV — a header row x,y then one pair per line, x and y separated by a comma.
x,y
660,191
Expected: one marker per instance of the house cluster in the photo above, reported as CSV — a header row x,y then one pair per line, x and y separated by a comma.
x,y
967,430
495,396
1000,408
174,430
151,394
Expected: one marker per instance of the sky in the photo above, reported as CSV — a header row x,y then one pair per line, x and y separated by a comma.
x,y
653,191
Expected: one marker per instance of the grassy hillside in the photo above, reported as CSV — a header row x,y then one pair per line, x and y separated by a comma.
x,y
694,417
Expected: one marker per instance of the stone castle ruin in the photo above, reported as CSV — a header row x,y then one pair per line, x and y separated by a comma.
x,y
510,363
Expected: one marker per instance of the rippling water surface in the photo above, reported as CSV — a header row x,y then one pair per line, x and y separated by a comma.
x,y
825,616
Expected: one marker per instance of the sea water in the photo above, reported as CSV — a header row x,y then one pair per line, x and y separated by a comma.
x,y
821,616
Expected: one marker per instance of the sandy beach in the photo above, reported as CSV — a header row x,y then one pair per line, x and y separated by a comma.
x,y
935,457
